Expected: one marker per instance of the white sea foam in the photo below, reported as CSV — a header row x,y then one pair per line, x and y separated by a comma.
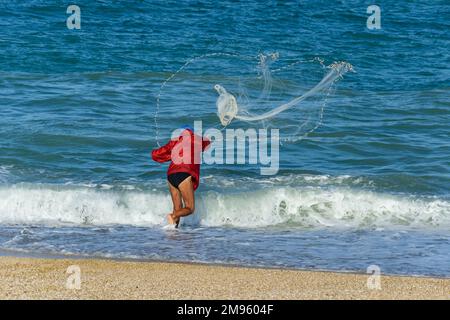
x,y
308,207
318,207
81,205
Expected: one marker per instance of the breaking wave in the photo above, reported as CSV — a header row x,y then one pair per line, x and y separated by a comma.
x,y
301,207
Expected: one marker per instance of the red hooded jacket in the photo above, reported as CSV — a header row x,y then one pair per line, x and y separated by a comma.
x,y
173,151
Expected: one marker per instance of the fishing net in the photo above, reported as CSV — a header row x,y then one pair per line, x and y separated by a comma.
x,y
253,92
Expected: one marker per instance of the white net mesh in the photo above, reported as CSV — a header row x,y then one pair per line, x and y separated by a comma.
x,y
227,107
251,93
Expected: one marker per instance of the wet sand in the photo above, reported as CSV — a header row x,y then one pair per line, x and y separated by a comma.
x,y
31,278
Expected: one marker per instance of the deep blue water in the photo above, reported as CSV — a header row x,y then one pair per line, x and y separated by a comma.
x,y
370,184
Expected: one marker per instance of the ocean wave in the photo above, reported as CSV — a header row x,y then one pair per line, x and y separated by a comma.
x,y
302,207
294,180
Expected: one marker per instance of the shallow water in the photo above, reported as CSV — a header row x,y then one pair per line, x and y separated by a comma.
x,y
369,186
410,252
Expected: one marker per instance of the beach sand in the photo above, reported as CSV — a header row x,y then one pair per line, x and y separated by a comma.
x,y
30,278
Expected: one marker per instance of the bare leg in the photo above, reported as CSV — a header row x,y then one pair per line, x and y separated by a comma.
x,y
176,201
187,193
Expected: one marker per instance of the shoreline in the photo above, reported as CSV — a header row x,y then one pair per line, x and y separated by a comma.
x,y
47,278
18,254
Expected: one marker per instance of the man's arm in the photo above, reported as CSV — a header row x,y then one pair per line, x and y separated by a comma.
x,y
163,154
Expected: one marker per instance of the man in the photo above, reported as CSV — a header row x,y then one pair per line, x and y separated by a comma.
x,y
184,170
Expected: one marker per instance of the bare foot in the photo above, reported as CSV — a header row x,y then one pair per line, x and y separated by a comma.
x,y
171,219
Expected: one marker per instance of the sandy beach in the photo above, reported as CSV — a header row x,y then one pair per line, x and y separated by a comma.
x,y
30,278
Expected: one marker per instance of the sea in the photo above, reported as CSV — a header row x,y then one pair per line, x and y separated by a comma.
x,y
81,109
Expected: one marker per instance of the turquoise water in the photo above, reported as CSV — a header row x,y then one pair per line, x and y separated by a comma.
x,y
369,186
